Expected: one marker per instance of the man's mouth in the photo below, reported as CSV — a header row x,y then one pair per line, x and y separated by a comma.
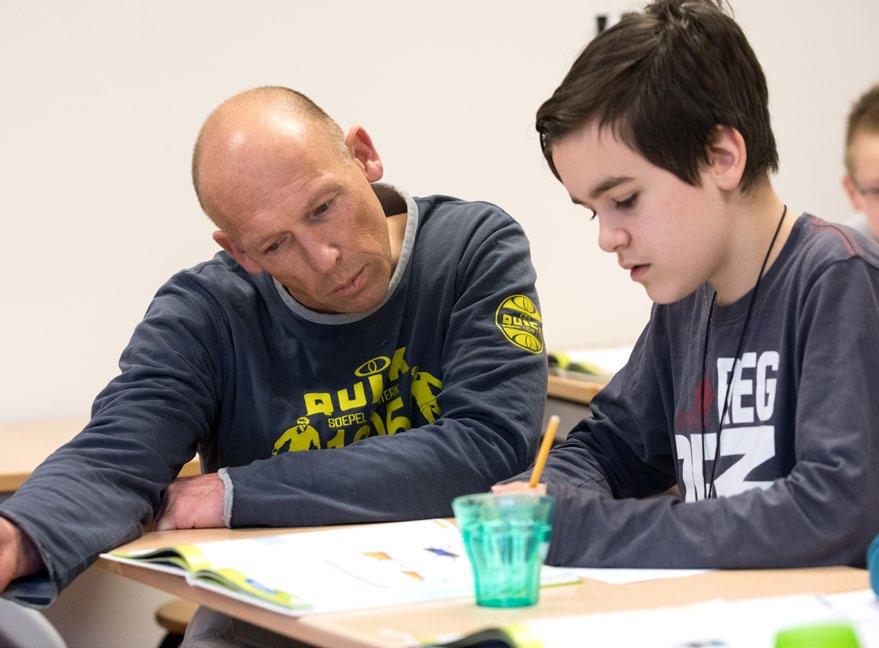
x,y
353,285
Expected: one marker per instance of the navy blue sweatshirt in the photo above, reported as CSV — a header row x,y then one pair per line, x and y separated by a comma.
x,y
315,418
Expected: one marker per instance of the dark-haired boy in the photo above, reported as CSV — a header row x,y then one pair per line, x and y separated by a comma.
x,y
763,319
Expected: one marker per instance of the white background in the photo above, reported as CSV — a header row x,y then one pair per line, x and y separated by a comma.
x,y
101,101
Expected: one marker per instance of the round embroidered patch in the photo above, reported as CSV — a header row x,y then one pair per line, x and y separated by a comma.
x,y
521,324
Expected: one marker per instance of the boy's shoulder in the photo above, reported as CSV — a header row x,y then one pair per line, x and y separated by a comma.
x,y
820,244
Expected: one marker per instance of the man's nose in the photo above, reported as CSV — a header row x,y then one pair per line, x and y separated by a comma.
x,y
610,236
321,254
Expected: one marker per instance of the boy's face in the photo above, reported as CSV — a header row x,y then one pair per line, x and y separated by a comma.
x,y
669,235
862,185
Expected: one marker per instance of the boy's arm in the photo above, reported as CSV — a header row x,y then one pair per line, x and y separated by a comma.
x,y
824,512
622,449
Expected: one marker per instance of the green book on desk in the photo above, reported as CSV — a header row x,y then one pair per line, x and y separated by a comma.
x,y
334,570
595,365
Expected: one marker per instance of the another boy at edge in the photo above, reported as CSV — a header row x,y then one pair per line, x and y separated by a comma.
x,y
861,180
764,318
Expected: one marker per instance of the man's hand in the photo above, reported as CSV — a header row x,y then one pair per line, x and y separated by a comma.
x,y
518,487
18,555
192,502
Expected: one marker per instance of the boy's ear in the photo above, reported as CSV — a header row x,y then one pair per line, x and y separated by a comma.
x,y
727,155
225,242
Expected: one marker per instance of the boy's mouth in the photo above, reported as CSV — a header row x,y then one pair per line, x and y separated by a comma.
x,y
637,270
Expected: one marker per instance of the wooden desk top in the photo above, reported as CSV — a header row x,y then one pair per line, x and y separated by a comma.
x,y
572,389
26,444
402,626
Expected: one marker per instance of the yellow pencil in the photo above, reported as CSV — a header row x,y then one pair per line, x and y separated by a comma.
x,y
548,436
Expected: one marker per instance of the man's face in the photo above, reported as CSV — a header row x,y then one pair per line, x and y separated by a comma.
x,y
667,234
304,212
863,184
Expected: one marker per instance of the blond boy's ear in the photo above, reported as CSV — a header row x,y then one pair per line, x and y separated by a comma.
x,y
727,156
854,196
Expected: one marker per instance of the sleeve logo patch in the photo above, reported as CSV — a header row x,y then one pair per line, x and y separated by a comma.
x,y
520,322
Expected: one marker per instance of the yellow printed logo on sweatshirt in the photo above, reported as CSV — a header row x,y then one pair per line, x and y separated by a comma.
x,y
520,322
384,397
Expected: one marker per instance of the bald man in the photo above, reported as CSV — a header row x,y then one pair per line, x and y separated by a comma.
x,y
286,360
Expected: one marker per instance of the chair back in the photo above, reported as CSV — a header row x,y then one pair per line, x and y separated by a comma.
x,y
21,627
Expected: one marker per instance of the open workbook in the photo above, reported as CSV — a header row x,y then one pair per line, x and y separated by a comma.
x,y
349,568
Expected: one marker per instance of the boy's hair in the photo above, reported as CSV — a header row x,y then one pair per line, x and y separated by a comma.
x,y
864,118
663,80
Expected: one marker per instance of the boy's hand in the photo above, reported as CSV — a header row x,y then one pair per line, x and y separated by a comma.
x,y
192,502
18,554
518,487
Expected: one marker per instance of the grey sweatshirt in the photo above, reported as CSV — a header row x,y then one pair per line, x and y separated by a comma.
x,y
798,474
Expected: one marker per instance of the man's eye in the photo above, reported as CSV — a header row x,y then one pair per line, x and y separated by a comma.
x,y
593,214
274,246
627,203
321,209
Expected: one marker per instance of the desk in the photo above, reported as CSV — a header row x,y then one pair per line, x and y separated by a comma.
x,y
574,390
26,444
394,627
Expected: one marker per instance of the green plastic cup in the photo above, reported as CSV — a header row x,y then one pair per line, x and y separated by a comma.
x,y
506,538
822,635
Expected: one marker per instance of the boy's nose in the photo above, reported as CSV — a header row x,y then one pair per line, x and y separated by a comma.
x,y
610,237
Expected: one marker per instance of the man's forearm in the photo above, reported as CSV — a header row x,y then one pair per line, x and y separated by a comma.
x,y
18,554
193,502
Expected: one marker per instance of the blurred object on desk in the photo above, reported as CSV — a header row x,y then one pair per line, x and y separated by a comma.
x,y
591,365
574,379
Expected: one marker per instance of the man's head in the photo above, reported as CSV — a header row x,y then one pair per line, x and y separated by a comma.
x,y
662,121
291,196
861,181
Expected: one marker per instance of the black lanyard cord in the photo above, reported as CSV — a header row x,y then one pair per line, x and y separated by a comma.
x,y
708,485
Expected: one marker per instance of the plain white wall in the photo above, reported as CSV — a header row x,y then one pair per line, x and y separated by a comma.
x,y
101,102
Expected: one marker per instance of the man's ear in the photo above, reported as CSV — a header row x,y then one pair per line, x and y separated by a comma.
x,y
854,197
363,150
225,242
727,155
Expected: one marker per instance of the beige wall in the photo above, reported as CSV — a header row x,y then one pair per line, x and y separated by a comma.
x,y
100,103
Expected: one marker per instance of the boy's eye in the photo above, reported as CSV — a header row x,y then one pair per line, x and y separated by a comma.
x,y
593,214
627,202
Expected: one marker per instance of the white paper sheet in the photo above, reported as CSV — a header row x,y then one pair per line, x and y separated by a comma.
x,y
625,576
751,623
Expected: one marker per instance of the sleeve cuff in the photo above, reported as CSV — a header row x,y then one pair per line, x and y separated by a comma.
x,y
227,496
33,591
